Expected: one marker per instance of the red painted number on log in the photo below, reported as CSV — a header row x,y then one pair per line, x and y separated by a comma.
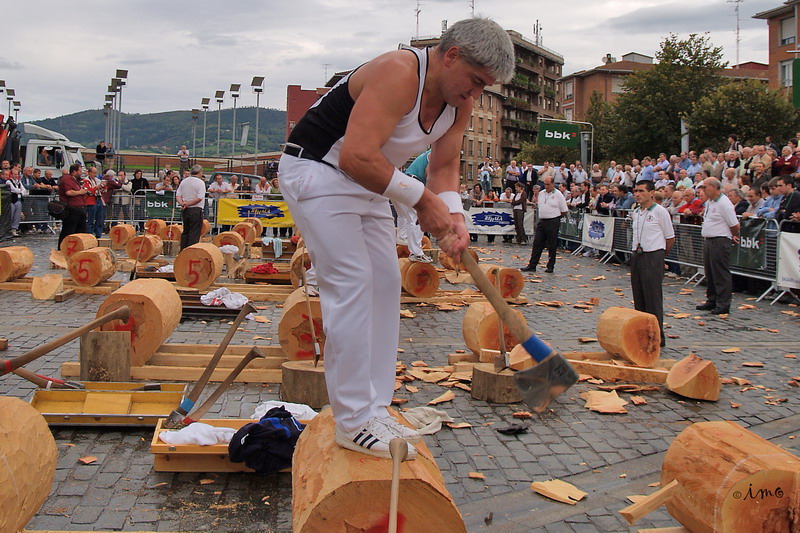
x,y
71,245
152,227
383,525
191,273
242,231
509,286
423,278
83,273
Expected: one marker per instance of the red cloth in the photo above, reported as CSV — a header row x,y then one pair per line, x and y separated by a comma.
x,y
264,268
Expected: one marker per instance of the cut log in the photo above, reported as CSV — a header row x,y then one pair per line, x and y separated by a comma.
x,y
480,330
302,382
511,280
198,266
419,279
45,287
488,385
171,248
731,480
256,222
229,238
57,259
171,232
15,262
403,251
28,456
120,235
299,262
154,226
450,264
155,313
77,242
92,267
335,490
294,330
144,247
247,230
695,378
630,334
206,228
105,356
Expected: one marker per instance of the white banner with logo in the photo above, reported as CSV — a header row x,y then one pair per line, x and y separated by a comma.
x,y
789,260
598,232
496,221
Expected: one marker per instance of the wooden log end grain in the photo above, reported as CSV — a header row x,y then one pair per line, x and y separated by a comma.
x,y
155,313
259,227
77,242
294,329
120,235
419,279
247,230
480,331
630,334
694,377
172,232
302,382
450,263
198,266
144,247
488,385
15,262
45,287
229,238
206,229
300,262
28,456
154,226
89,268
335,490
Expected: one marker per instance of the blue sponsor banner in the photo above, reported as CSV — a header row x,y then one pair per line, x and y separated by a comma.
x,y
271,213
598,232
496,220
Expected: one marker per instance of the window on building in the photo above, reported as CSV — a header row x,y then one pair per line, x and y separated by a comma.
x,y
480,148
490,101
489,126
480,100
471,121
785,69
471,147
480,125
489,150
568,114
568,90
616,84
470,174
788,31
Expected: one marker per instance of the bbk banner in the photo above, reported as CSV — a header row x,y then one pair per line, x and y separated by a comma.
x,y
558,134
751,252
598,232
160,205
788,260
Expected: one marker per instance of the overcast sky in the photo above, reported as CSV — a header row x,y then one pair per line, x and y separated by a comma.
x,y
60,57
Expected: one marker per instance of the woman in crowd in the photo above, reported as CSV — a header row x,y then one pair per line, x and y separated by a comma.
x,y
477,197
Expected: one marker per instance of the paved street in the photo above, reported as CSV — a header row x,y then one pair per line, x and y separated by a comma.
x,y
608,456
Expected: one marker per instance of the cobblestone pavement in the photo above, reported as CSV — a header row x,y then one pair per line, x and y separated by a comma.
x,y
608,456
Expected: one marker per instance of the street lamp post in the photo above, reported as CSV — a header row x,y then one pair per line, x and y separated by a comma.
x,y
195,115
109,111
111,97
122,76
219,96
204,105
234,94
10,94
2,87
258,87
17,105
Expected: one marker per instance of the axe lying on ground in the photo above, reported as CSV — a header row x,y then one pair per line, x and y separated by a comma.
x,y
552,374
175,418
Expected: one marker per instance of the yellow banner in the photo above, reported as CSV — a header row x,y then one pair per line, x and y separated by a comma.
x,y
271,213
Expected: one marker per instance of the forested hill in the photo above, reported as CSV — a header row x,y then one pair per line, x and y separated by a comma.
x,y
166,132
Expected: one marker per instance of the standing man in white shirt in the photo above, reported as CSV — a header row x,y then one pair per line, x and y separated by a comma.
x,y
720,228
552,206
191,196
653,237
183,155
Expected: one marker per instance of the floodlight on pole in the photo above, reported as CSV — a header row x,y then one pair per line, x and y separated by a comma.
x,y
121,79
204,104
234,94
195,116
219,96
258,87
10,94
17,106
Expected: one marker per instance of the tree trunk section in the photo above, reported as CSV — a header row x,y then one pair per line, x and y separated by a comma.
x,y
695,378
15,262
154,226
105,356
247,230
480,331
28,456
294,330
403,251
450,264
302,382
120,235
488,385
732,481
630,334
259,227
45,287
198,266
92,267
229,238
335,490
511,280
172,232
299,263
206,228
144,247
155,313
77,242
419,279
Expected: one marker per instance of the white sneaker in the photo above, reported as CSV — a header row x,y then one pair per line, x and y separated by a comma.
x,y
312,290
420,258
372,439
404,432
588,254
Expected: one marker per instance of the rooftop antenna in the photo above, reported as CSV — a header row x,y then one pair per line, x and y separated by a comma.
x,y
326,65
472,7
537,33
738,39
417,11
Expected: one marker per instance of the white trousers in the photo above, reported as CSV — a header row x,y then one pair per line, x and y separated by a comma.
x,y
351,240
408,229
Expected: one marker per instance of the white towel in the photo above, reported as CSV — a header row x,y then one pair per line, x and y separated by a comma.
x,y
198,433
298,410
426,420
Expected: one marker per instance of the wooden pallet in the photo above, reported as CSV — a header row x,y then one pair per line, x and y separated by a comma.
x,y
603,365
281,277
24,284
186,362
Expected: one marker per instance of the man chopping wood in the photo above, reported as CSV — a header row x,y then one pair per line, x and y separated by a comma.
x,y
338,172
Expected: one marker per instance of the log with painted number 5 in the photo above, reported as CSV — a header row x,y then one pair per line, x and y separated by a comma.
x,y
92,267
198,266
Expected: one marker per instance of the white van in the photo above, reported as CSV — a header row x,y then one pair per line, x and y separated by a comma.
x,y
49,150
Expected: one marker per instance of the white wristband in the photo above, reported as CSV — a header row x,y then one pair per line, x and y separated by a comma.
x,y
404,189
453,202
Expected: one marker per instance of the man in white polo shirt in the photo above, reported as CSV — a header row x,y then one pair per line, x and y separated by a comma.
x,y
552,206
191,196
720,228
653,236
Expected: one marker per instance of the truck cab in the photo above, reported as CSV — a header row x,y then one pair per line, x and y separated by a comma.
x,y
49,150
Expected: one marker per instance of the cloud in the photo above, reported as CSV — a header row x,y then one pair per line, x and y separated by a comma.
x,y
10,65
213,39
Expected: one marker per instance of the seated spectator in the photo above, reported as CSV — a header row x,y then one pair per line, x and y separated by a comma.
x,y
754,203
786,164
234,193
507,195
694,167
175,181
663,179
605,200
675,203
623,200
691,204
261,189
245,189
165,184
462,190
773,203
477,195
790,204
683,180
730,178
736,197
44,158
575,198
491,197
275,189
218,188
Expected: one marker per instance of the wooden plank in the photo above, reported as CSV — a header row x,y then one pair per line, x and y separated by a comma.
x,y
239,349
620,372
185,373
202,360
63,295
108,403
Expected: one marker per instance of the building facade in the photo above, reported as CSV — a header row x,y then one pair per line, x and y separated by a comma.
x,y
782,22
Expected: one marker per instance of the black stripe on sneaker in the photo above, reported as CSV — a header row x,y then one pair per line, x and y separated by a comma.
x,y
362,438
372,443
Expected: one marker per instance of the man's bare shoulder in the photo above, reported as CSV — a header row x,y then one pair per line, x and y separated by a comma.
x,y
398,69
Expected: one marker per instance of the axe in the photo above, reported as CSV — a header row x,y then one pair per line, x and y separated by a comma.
x,y
552,374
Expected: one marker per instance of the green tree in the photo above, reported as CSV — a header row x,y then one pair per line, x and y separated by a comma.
x,y
748,109
648,113
601,115
536,154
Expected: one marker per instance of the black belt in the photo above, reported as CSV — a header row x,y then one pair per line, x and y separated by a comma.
x,y
719,237
295,150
